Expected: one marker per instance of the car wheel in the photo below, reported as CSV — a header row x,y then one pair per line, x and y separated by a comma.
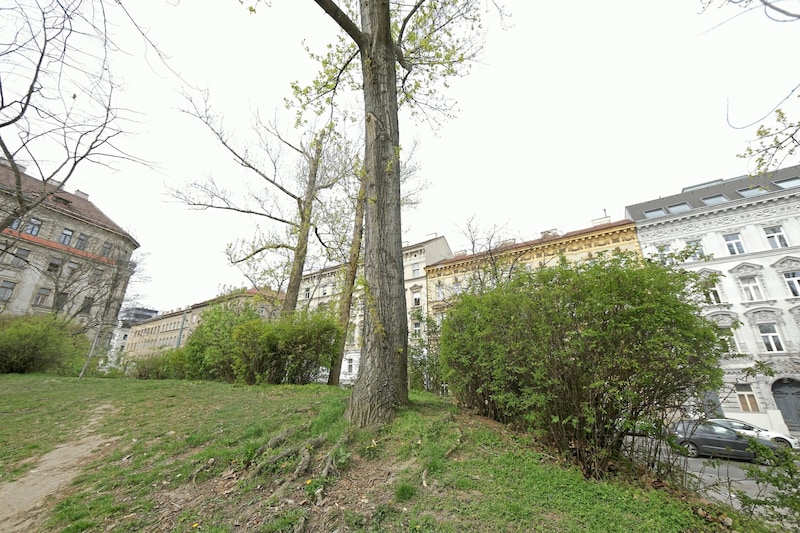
x,y
781,442
691,448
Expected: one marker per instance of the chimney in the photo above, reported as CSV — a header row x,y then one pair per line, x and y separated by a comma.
x,y
79,193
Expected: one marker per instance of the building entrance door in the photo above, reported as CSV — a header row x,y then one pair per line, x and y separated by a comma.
x,y
786,392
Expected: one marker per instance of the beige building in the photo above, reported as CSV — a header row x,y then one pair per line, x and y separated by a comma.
x,y
454,275
65,256
321,289
173,328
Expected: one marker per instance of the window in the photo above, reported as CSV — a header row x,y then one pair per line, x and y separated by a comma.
x,y
55,265
66,237
15,224
307,292
106,250
82,242
20,257
713,297
776,238
655,213
679,208
715,200
33,227
696,249
770,337
793,281
70,268
415,270
439,291
349,365
6,290
325,290
86,306
734,243
752,191
417,296
61,300
751,289
96,275
788,183
41,298
457,287
417,329
747,400
730,339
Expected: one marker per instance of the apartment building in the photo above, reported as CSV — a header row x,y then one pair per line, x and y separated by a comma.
x,y
321,289
173,328
747,231
65,256
449,277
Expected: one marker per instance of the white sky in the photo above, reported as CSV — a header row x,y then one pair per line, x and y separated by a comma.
x,y
577,110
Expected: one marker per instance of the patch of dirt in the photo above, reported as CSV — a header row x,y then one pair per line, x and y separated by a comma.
x,y
23,502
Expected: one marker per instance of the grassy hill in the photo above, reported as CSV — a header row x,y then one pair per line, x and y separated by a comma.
x,y
164,456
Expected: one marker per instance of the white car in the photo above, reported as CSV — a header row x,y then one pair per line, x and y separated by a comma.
x,y
750,430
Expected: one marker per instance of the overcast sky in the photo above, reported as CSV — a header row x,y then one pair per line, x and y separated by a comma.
x,y
575,111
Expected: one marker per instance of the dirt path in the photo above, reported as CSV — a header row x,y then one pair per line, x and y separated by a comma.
x,y
23,502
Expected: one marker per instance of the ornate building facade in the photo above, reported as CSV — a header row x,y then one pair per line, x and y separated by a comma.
x,y
65,257
451,276
746,230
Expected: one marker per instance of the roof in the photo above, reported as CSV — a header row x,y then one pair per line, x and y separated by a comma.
x,y
732,191
547,238
73,205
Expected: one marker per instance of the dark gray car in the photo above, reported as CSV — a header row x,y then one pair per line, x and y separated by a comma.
x,y
713,440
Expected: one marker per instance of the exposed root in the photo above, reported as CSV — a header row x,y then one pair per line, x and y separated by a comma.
x,y
309,444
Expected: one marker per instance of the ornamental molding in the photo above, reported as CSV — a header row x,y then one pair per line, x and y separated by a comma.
x,y
723,319
758,316
732,219
747,269
787,264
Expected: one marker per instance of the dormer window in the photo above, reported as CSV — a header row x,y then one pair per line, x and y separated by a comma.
x,y
655,213
715,200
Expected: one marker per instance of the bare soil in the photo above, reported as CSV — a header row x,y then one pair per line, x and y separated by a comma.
x,y
23,502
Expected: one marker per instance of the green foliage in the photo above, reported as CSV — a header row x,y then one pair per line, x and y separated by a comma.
x,y
210,349
424,368
572,350
291,349
778,480
40,343
168,364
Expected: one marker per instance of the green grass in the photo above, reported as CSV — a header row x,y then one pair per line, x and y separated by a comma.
x,y
183,455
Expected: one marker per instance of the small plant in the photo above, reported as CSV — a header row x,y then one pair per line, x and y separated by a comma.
x,y
404,492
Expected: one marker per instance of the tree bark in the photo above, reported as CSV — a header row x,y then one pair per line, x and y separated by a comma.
x,y
381,385
346,299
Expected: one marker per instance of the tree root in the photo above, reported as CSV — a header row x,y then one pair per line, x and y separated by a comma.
x,y
309,444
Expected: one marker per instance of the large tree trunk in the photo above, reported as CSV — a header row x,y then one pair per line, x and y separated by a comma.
x,y
381,385
346,299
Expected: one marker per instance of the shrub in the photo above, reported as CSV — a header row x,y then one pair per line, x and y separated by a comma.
x,y
40,343
291,349
573,349
210,349
169,364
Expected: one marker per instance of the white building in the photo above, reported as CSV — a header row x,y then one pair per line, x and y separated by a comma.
x,y
322,288
747,230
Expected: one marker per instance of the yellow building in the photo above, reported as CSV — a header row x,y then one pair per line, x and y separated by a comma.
x,y
452,276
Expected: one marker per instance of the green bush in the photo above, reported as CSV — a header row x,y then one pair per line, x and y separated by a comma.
x,y
210,349
573,349
40,343
291,349
169,364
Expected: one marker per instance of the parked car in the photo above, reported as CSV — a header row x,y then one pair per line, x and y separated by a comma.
x,y
750,430
713,440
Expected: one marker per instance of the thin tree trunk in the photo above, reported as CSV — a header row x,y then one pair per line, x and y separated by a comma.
x,y
346,299
381,385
